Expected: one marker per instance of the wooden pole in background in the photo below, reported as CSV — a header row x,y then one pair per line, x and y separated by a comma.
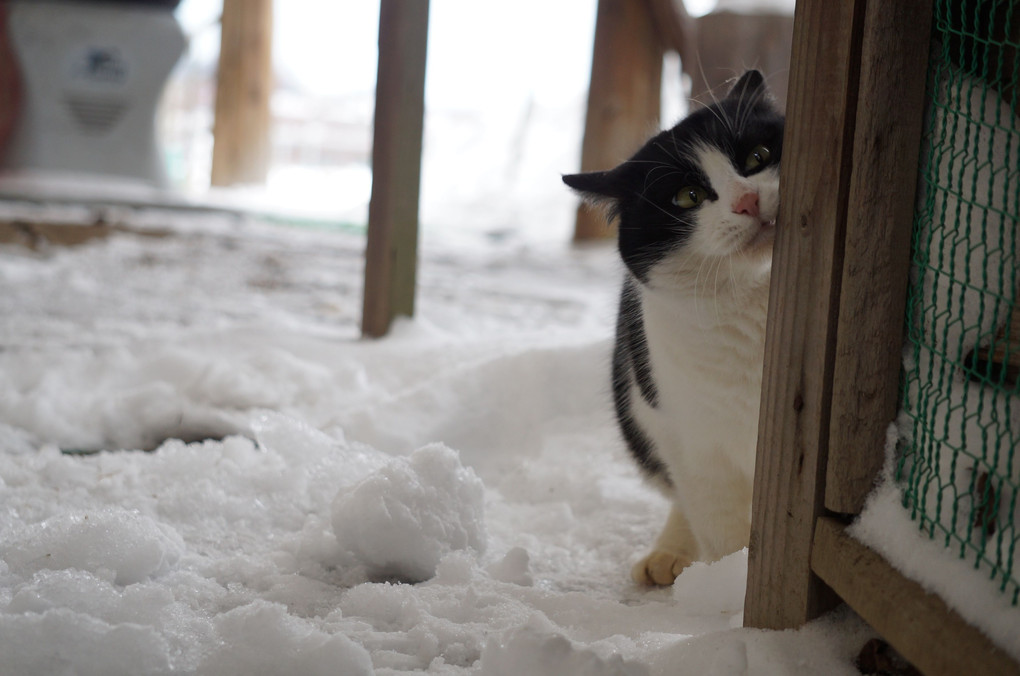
x,y
623,97
243,86
391,253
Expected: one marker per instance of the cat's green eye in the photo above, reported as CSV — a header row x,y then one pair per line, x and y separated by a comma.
x,y
759,156
689,196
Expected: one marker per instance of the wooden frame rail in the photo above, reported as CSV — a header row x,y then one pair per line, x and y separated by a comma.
x,y
919,624
833,344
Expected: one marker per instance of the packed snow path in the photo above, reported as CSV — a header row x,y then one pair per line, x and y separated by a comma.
x,y
204,470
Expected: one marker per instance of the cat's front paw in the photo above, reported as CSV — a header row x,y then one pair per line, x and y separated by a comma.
x,y
659,568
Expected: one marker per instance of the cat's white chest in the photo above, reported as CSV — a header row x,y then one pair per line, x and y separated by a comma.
x,y
707,360
704,421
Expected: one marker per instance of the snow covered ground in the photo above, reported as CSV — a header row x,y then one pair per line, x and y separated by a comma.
x,y
203,469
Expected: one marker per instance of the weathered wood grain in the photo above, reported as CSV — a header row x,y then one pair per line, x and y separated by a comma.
x,y
873,289
801,335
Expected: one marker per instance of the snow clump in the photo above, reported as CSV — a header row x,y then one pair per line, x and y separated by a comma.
x,y
400,521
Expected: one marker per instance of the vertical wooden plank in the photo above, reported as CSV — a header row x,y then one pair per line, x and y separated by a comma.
x,y
869,346
391,253
243,85
623,96
800,339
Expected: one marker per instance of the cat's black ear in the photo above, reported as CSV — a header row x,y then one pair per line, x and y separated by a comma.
x,y
596,186
750,86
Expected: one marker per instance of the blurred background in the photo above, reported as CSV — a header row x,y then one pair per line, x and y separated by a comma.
x,y
505,99
499,128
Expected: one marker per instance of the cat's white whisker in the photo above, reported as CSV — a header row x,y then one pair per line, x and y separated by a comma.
x,y
733,280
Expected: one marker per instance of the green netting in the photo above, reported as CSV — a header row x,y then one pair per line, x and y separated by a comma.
x,y
960,424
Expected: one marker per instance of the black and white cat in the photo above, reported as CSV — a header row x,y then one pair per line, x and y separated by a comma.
x,y
697,208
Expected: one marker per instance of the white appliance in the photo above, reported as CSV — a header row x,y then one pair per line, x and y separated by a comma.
x,y
92,74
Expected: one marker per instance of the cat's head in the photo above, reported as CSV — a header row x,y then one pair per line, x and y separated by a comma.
x,y
699,201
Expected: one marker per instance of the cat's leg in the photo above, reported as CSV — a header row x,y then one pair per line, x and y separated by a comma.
x,y
674,550
721,513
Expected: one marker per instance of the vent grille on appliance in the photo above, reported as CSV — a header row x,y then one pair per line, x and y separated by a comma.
x,y
95,115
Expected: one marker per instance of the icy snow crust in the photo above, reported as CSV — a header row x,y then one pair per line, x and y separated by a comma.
x,y
453,499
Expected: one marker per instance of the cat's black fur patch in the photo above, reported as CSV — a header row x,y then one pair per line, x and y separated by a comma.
x,y
631,366
639,193
631,345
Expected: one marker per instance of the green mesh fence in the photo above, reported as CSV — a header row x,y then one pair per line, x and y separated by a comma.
x,y
960,424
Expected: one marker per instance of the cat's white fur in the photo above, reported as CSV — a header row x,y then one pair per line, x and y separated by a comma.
x,y
704,309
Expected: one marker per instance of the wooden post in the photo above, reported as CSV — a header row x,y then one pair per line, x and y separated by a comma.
x,y
834,337
800,340
243,86
623,96
873,290
390,257
838,294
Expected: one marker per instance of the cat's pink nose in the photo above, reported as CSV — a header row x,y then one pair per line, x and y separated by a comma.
x,y
747,204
